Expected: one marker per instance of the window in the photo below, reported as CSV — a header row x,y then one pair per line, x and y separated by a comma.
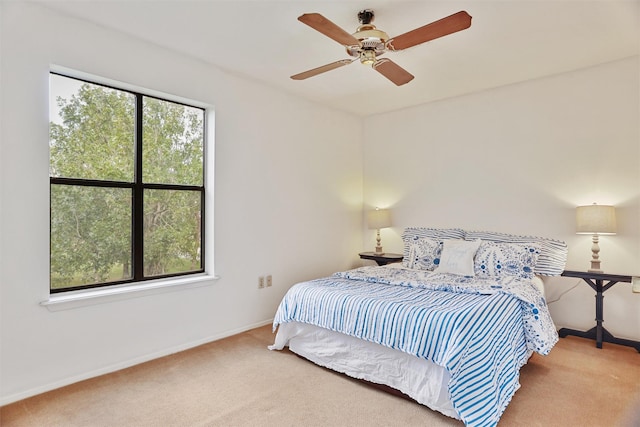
x,y
127,192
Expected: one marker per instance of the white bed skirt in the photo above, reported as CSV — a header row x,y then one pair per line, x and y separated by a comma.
x,y
420,379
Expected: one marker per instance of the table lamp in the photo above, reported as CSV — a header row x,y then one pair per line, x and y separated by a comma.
x,y
377,219
595,220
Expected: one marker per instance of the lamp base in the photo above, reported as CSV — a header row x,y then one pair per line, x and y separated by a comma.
x,y
595,256
595,266
378,245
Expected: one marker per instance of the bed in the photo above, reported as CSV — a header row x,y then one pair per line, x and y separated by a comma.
x,y
450,327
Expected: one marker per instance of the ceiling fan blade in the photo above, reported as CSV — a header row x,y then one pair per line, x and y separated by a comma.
x,y
392,71
322,69
445,26
328,28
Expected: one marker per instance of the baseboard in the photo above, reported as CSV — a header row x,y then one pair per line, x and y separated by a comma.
x,y
5,400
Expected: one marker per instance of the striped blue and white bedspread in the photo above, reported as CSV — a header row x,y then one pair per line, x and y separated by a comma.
x,y
481,331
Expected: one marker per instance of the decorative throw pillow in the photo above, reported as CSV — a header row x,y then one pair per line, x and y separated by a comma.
x,y
495,259
457,257
423,254
553,253
412,235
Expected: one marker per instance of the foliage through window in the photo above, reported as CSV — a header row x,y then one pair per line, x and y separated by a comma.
x,y
127,186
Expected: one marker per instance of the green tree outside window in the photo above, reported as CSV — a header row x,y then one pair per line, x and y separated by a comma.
x,y
107,148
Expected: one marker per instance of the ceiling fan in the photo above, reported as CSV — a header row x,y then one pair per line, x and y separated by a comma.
x,y
368,43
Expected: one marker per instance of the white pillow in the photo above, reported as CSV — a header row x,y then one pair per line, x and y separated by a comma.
x,y
457,257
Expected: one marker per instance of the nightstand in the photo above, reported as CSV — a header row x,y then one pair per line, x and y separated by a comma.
x,y
598,332
381,259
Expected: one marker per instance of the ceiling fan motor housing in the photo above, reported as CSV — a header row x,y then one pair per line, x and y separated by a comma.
x,y
372,42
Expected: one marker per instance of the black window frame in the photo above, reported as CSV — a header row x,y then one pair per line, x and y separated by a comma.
x,y
138,187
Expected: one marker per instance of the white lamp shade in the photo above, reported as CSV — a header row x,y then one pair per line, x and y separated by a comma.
x,y
595,219
379,218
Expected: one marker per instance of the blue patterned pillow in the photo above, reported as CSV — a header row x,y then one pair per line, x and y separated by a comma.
x,y
413,234
423,254
553,253
495,259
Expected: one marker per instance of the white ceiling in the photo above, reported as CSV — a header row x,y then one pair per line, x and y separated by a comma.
x,y
509,41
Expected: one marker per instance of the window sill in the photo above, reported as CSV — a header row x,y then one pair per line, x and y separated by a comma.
x,y
71,300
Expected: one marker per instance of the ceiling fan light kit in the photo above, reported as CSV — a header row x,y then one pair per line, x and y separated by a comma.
x,y
367,57
368,42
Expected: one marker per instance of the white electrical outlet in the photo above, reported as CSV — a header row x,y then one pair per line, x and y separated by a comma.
x,y
269,281
635,284
260,282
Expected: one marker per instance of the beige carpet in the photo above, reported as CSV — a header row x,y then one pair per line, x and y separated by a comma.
x,y
238,382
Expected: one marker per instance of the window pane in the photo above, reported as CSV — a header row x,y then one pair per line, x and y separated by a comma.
x,y
90,235
172,229
91,131
173,143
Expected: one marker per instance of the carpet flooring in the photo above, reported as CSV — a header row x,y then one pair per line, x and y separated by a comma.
x,y
238,382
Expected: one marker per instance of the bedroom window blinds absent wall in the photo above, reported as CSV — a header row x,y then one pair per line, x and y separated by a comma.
x,y
127,186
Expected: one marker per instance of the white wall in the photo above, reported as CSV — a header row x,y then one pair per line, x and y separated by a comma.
x,y
288,202
519,159
289,192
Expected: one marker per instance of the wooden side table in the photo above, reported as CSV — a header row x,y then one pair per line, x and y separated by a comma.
x,y
598,332
381,259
